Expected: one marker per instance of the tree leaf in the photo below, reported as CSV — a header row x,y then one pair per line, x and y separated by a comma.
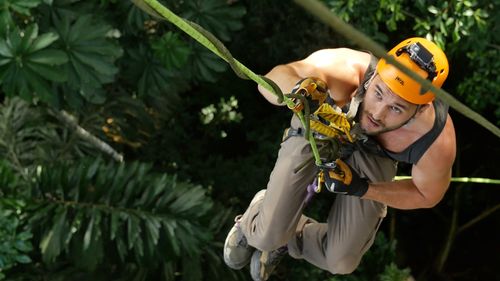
x,y
22,76
90,52
87,238
96,63
51,243
48,56
5,50
24,6
171,51
133,231
23,259
433,10
43,41
47,72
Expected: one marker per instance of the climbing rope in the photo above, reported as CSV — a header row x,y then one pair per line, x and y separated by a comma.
x,y
319,10
208,40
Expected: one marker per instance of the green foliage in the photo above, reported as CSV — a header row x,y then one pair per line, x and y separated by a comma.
x,y
91,53
153,79
15,238
134,126
481,88
370,18
445,19
216,16
27,65
22,137
10,9
30,136
204,65
439,21
171,50
225,113
127,211
157,96
136,18
393,273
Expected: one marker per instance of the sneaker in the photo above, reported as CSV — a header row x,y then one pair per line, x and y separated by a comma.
x,y
264,263
237,252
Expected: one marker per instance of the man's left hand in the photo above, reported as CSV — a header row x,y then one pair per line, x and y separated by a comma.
x,y
339,177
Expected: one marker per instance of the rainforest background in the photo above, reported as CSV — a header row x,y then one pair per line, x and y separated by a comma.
x,y
86,83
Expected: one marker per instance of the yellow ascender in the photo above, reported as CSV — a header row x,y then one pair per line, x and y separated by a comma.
x,y
331,123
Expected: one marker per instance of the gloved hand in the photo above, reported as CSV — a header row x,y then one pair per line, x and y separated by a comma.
x,y
339,177
313,89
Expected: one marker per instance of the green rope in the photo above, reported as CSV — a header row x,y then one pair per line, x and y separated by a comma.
x,y
324,14
208,40
461,179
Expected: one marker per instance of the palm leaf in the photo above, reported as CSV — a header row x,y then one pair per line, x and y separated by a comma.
x,y
90,52
29,136
24,57
127,209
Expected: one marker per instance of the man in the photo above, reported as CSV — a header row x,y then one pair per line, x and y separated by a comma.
x,y
405,120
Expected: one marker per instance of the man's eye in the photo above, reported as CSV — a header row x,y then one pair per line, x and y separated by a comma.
x,y
396,109
378,95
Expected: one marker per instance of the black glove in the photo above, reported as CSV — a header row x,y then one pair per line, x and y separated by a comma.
x,y
339,177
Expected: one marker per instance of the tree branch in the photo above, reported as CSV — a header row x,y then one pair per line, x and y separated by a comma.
x,y
478,218
71,122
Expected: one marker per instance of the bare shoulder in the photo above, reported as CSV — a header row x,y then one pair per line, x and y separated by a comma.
x,y
432,173
343,69
331,60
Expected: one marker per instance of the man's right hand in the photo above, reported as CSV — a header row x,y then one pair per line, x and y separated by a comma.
x,y
313,89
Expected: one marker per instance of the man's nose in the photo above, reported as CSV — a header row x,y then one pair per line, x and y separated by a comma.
x,y
378,113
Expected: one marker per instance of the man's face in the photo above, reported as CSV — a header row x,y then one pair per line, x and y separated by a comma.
x,y
382,110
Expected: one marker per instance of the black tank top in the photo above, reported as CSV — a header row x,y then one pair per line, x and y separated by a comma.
x,y
414,152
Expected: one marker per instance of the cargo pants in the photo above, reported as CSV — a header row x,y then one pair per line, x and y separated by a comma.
x,y
336,245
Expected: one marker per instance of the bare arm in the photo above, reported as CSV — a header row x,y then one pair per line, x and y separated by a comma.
x,y
430,177
342,69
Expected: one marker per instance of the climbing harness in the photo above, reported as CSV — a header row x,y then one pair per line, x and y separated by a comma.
x,y
327,123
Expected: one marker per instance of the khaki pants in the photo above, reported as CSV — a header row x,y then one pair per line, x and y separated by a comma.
x,y
338,244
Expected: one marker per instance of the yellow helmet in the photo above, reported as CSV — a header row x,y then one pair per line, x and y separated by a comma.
x,y
423,57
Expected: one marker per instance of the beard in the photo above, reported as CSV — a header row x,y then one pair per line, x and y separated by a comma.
x,y
372,127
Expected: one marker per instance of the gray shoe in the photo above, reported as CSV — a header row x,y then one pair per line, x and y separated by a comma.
x,y
237,252
264,263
